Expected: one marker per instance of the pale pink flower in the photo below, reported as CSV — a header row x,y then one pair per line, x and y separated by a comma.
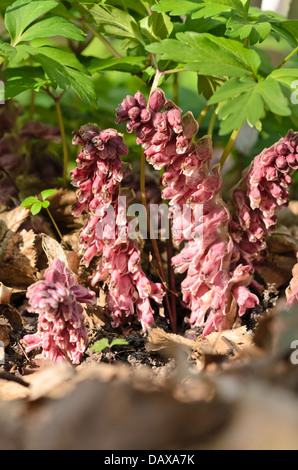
x,y
263,190
207,257
98,175
57,300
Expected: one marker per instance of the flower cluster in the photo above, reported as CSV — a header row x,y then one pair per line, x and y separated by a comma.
x,y
215,289
98,175
264,188
61,331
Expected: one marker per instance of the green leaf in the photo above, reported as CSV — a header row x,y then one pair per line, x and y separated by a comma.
x,y
292,27
273,97
100,345
131,64
82,85
47,193
208,54
156,26
183,7
230,89
16,86
53,26
201,8
239,27
65,70
64,58
36,208
45,204
246,107
277,28
29,201
216,7
285,76
20,79
245,100
114,22
118,342
207,85
23,12
12,54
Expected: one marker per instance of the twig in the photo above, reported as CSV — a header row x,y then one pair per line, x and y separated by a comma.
x,y
12,378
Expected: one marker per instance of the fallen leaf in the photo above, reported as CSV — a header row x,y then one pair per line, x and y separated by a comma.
x,y
53,249
5,294
15,218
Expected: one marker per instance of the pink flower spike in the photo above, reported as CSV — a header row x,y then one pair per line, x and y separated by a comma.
x,y
61,332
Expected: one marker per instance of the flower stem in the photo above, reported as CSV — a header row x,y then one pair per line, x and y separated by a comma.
x,y
54,223
203,114
63,137
176,90
102,39
157,78
229,146
212,124
287,58
32,105
172,284
169,72
153,241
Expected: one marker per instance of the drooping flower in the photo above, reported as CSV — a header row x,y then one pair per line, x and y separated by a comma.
x,y
57,300
263,190
98,176
215,288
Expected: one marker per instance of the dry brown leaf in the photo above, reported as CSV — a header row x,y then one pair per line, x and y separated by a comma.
x,y
5,294
282,241
218,343
159,340
15,218
102,407
277,271
5,330
53,249
18,261
12,315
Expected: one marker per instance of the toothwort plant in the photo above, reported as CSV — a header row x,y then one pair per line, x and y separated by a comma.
x,y
57,300
219,260
98,175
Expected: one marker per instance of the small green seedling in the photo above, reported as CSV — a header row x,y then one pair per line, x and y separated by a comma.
x,y
104,343
35,204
